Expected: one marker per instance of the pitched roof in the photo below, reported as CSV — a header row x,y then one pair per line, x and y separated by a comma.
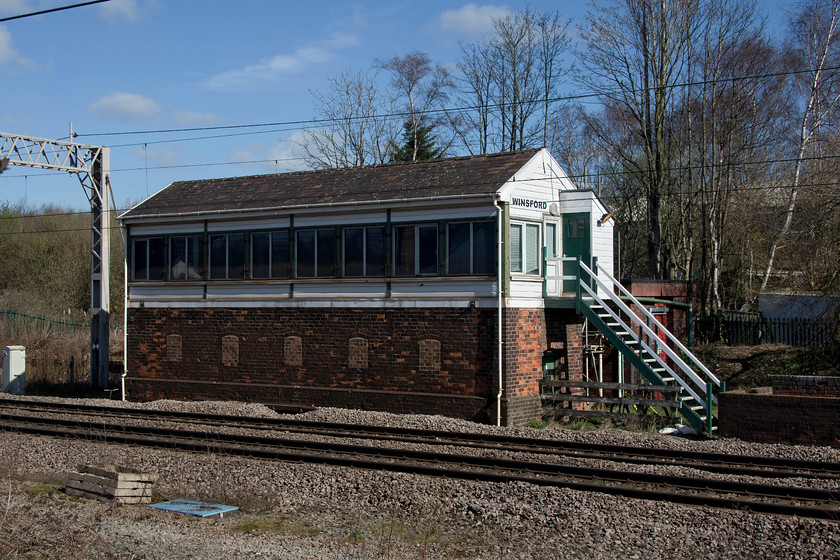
x,y
473,175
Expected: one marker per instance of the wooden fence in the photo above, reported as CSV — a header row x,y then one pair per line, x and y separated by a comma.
x,y
611,400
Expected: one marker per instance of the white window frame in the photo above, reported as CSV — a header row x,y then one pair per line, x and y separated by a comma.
x,y
365,230
535,258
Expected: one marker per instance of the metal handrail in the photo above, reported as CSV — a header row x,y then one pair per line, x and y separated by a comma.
x,y
685,368
651,317
643,344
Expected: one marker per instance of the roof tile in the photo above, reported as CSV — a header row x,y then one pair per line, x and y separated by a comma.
x,y
389,182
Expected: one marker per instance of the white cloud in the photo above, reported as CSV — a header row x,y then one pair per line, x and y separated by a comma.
x,y
470,21
9,54
15,7
272,69
193,118
158,156
285,156
128,10
126,106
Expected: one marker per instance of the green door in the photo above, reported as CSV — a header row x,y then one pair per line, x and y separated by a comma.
x,y
576,243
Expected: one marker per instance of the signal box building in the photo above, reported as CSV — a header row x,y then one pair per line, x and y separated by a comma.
x,y
410,288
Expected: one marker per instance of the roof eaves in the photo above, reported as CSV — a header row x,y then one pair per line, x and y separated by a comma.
x,y
350,204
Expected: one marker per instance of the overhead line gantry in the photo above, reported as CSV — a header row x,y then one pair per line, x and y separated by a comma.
x,y
91,164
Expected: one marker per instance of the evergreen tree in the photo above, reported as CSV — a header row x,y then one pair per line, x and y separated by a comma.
x,y
417,144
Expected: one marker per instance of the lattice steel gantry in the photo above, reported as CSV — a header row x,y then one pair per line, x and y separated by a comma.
x,y
92,165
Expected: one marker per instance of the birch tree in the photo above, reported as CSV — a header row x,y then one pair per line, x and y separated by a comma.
x,y
814,59
424,87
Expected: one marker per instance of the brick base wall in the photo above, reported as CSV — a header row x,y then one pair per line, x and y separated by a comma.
x,y
357,358
421,361
793,417
528,333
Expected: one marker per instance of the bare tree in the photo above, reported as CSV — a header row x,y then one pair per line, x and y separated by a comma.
x,y
634,53
814,58
423,86
473,126
732,110
357,129
510,81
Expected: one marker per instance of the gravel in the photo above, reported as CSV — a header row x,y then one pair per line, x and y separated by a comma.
x,y
293,511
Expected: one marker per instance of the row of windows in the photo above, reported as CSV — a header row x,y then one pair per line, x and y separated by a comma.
x,y
469,247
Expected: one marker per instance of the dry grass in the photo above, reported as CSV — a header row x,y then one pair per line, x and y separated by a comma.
x,y
48,357
27,534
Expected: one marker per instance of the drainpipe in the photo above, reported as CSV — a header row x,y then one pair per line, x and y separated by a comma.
x,y
499,281
125,328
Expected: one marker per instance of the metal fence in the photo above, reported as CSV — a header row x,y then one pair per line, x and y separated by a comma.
x,y
752,330
18,323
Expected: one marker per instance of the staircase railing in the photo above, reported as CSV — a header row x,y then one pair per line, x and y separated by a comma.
x,y
697,382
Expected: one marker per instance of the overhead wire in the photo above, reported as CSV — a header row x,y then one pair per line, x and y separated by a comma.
x,y
302,124
51,10
210,206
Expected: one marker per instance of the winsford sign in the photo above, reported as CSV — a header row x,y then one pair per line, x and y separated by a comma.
x,y
529,203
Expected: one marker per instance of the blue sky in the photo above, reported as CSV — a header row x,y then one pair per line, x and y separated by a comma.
x,y
146,65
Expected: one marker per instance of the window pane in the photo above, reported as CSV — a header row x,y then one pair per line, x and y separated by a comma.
x,y
139,253
280,254
404,251
326,253
236,256
375,251
218,257
354,252
532,249
428,250
551,239
194,257
260,254
484,248
157,259
305,254
516,248
178,258
458,244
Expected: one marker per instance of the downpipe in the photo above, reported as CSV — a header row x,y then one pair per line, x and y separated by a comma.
x,y
499,277
125,329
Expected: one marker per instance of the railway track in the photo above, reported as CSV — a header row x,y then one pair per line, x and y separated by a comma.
x,y
732,494
727,464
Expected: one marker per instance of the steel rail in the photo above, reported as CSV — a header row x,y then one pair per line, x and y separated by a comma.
x,y
693,491
766,467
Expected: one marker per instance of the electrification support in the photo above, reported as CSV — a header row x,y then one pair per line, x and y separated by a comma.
x,y
92,166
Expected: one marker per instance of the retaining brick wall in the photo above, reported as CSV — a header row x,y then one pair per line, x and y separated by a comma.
x,y
812,385
793,416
